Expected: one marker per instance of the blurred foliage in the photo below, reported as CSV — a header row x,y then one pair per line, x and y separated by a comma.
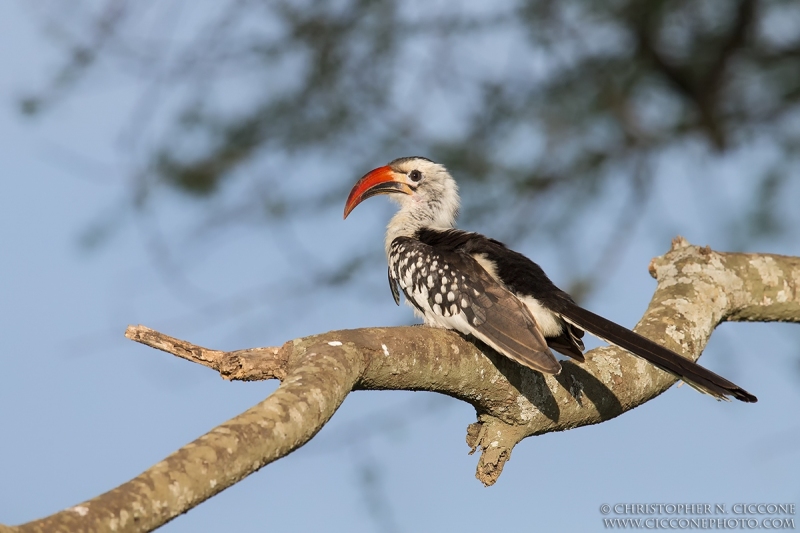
x,y
542,109
536,106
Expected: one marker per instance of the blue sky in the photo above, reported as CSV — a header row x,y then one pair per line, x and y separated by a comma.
x,y
83,409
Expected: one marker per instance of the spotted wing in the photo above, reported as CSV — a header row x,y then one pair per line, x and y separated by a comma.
x,y
452,290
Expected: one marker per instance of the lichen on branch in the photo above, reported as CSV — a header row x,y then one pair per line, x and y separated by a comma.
x,y
697,290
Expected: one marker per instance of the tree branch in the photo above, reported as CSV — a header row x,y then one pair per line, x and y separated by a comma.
x,y
697,290
245,365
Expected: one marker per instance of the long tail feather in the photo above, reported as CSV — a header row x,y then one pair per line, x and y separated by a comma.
x,y
695,375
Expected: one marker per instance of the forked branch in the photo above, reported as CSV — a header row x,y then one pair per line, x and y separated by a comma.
x,y
697,290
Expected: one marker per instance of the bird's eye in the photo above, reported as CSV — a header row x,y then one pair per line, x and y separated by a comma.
x,y
415,175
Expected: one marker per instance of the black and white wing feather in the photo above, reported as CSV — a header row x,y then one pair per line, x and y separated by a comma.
x,y
451,289
393,286
526,279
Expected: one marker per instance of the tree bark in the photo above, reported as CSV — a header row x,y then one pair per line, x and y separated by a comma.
x,y
697,290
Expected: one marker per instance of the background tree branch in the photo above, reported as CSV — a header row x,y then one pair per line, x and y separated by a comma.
x,y
697,290
593,91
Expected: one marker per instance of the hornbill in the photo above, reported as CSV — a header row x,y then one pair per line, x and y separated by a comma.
x,y
476,285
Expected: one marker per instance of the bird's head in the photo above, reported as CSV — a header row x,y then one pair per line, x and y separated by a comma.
x,y
425,190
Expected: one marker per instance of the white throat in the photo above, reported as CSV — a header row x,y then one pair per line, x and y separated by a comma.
x,y
434,208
